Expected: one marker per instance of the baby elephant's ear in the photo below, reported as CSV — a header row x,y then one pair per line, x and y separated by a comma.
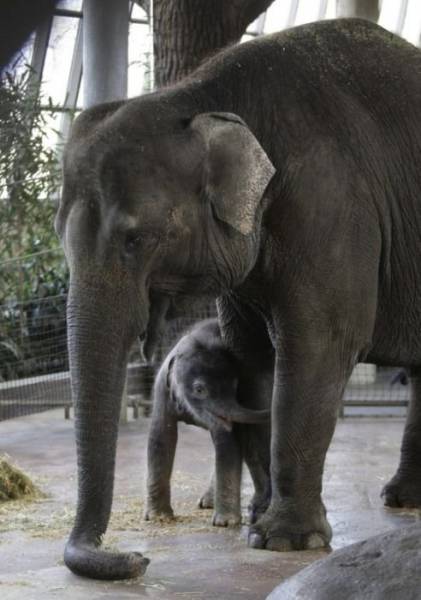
x,y
237,169
169,372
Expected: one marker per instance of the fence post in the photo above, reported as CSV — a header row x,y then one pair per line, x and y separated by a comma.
x,y
124,404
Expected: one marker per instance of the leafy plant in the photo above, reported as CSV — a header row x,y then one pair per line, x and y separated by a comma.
x,y
33,275
29,184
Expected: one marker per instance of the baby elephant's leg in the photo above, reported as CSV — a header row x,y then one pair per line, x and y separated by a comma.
x,y
162,443
208,498
227,482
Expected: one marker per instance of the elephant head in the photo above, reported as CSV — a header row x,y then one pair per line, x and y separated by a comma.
x,y
205,382
154,205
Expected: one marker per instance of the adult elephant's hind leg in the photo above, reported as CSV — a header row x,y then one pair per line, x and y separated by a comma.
x,y
404,489
309,383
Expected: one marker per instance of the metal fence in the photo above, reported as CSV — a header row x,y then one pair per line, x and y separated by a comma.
x,y
34,364
34,372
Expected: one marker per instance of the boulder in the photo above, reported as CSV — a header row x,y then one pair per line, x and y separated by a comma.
x,y
384,567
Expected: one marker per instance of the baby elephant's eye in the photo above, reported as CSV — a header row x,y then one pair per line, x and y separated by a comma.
x,y
199,389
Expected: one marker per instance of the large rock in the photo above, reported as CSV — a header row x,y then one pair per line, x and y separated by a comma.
x,y
384,567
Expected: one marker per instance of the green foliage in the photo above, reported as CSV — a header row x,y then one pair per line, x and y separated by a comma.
x,y
33,275
30,177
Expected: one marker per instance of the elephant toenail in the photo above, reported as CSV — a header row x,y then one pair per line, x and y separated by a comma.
x,y
314,541
279,544
255,540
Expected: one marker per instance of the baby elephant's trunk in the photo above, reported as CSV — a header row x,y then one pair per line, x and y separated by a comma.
x,y
239,414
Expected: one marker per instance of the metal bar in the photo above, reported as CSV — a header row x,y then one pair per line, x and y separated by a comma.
x,y
105,48
382,403
73,84
59,109
65,12
42,36
75,74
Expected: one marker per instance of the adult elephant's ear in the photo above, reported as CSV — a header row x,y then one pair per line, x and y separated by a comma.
x,y
237,169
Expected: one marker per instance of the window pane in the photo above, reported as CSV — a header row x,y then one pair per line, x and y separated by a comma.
x,y
308,10
331,9
277,15
52,126
139,59
59,58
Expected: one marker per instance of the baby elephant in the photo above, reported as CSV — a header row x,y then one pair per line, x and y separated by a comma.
x,y
197,384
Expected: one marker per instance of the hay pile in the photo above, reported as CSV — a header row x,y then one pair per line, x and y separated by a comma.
x,y
15,485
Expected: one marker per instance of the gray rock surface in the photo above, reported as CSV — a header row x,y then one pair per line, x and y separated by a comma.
x,y
384,567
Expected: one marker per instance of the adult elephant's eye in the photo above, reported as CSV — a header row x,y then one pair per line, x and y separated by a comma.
x,y
132,241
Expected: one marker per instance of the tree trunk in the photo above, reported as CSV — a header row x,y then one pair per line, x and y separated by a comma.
x,y
366,9
188,31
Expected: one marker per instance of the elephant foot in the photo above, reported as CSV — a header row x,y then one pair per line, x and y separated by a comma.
x,y
402,492
88,560
283,530
226,519
257,507
159,513
207,500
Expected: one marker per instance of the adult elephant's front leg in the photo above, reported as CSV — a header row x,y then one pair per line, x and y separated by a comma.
x,y
309,384
256,391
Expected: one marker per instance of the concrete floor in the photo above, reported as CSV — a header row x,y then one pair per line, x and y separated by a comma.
x,y
189,559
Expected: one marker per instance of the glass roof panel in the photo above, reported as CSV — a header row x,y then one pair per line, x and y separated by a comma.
x,y
70,4
59,58
138,13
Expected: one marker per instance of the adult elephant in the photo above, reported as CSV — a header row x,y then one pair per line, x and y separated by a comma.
x,y
164,196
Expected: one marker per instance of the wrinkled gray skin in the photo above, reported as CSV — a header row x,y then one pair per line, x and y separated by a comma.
x,y
164,196
197,384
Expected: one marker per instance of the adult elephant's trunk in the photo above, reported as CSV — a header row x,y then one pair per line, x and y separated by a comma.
x,y
99,338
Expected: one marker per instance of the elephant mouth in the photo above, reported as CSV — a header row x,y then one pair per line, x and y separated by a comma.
x,y
221,421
